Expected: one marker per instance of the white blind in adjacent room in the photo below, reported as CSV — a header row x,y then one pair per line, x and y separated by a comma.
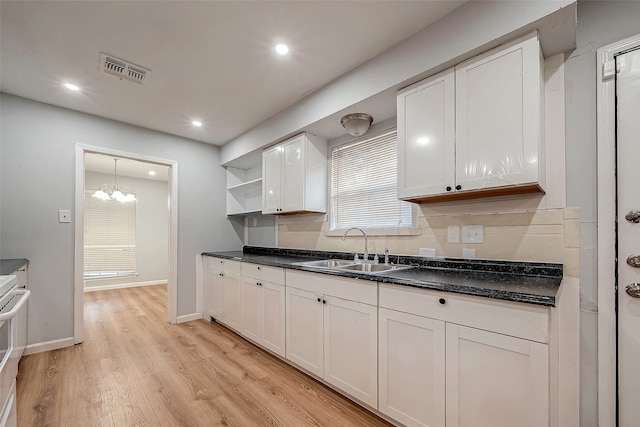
x,y
109,237
364,185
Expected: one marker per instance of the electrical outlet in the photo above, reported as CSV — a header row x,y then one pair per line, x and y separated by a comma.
x,y
64,216
472,234
453,234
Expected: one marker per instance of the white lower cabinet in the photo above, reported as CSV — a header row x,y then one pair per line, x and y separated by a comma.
x,y
263,313
411,363
495,380
232,301
333,335
435,372
212,288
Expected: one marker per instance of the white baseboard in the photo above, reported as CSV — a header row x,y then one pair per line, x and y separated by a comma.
x,y
189,317
49,345
124,285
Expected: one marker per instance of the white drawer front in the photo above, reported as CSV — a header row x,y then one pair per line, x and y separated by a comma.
x,y
515,319
227,265
364,291
263,272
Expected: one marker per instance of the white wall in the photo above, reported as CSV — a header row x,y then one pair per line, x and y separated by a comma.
x,y
599,24
152,227
37,149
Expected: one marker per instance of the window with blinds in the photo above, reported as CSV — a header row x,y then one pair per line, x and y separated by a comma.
x,y
109,238
364,186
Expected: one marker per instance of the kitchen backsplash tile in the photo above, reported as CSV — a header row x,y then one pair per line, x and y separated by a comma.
x,y
551,235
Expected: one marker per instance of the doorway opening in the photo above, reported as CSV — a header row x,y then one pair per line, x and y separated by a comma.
x,y
146,253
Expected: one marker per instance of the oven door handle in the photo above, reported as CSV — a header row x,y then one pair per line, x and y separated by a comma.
x,y
16,308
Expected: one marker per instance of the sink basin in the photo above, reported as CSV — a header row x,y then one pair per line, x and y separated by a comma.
x,y
373,268
326,263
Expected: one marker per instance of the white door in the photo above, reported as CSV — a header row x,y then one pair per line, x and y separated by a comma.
x,y
304,329
232,301
411,371
271,179
293,174
351,348
426,136
494,380
212,293
628,142
251,307
273,317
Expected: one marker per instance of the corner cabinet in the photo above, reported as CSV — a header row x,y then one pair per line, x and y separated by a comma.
x,y
294,176
475,130
244,190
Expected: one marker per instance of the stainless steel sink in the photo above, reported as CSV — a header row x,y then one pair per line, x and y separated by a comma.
x,y
326,263
374,268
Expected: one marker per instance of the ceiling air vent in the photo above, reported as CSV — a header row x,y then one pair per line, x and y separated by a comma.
x,y
123,69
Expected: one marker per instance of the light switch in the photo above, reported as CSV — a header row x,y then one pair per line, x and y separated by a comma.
x,y
64,216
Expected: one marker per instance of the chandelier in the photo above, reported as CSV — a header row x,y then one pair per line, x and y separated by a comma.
x,y
106,193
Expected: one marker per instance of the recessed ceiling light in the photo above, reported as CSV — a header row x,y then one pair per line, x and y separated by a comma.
x,y
152,173
282,49
71,86
196,123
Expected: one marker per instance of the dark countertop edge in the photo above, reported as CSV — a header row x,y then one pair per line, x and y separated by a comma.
x,y
8,266
543,300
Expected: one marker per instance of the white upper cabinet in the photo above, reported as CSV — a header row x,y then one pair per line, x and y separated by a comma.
x,y
426,127
475,130
294,176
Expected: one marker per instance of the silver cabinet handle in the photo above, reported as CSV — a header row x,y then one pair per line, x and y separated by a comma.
x,y
633,289
633,216
634,261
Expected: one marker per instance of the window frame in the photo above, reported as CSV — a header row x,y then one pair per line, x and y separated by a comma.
x,y
410,230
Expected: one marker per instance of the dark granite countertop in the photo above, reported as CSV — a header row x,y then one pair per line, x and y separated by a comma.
x,y
8,266
532,283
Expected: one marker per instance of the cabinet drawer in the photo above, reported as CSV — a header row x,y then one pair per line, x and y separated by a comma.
x,y
363,291
226,265
21,276
263,272
525,321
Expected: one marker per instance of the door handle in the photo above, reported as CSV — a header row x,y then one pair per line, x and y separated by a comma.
x,y
633,289
634,261
633,216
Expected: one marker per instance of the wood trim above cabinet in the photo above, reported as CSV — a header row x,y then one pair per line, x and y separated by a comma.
x,y
516,190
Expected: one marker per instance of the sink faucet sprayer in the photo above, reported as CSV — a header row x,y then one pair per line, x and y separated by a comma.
x,y
366,249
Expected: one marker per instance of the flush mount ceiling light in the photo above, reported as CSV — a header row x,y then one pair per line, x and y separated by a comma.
x,y
196,123
113,193
72,87
282,48
356,124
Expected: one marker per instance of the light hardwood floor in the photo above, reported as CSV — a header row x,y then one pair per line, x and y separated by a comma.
x,y
135,369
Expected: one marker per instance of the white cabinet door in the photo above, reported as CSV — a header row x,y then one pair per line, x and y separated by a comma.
x,y
293,174
272,332
272,179
304,342
495,380
212,292
498,116
251,308
426,137
351,348
411,368
232,301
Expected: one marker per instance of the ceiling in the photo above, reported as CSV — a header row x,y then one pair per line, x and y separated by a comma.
x,y
209,60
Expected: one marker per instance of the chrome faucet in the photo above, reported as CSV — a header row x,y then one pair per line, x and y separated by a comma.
x,y
366,248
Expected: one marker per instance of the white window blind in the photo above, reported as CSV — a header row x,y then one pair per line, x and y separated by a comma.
x,y
109,237
364,186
